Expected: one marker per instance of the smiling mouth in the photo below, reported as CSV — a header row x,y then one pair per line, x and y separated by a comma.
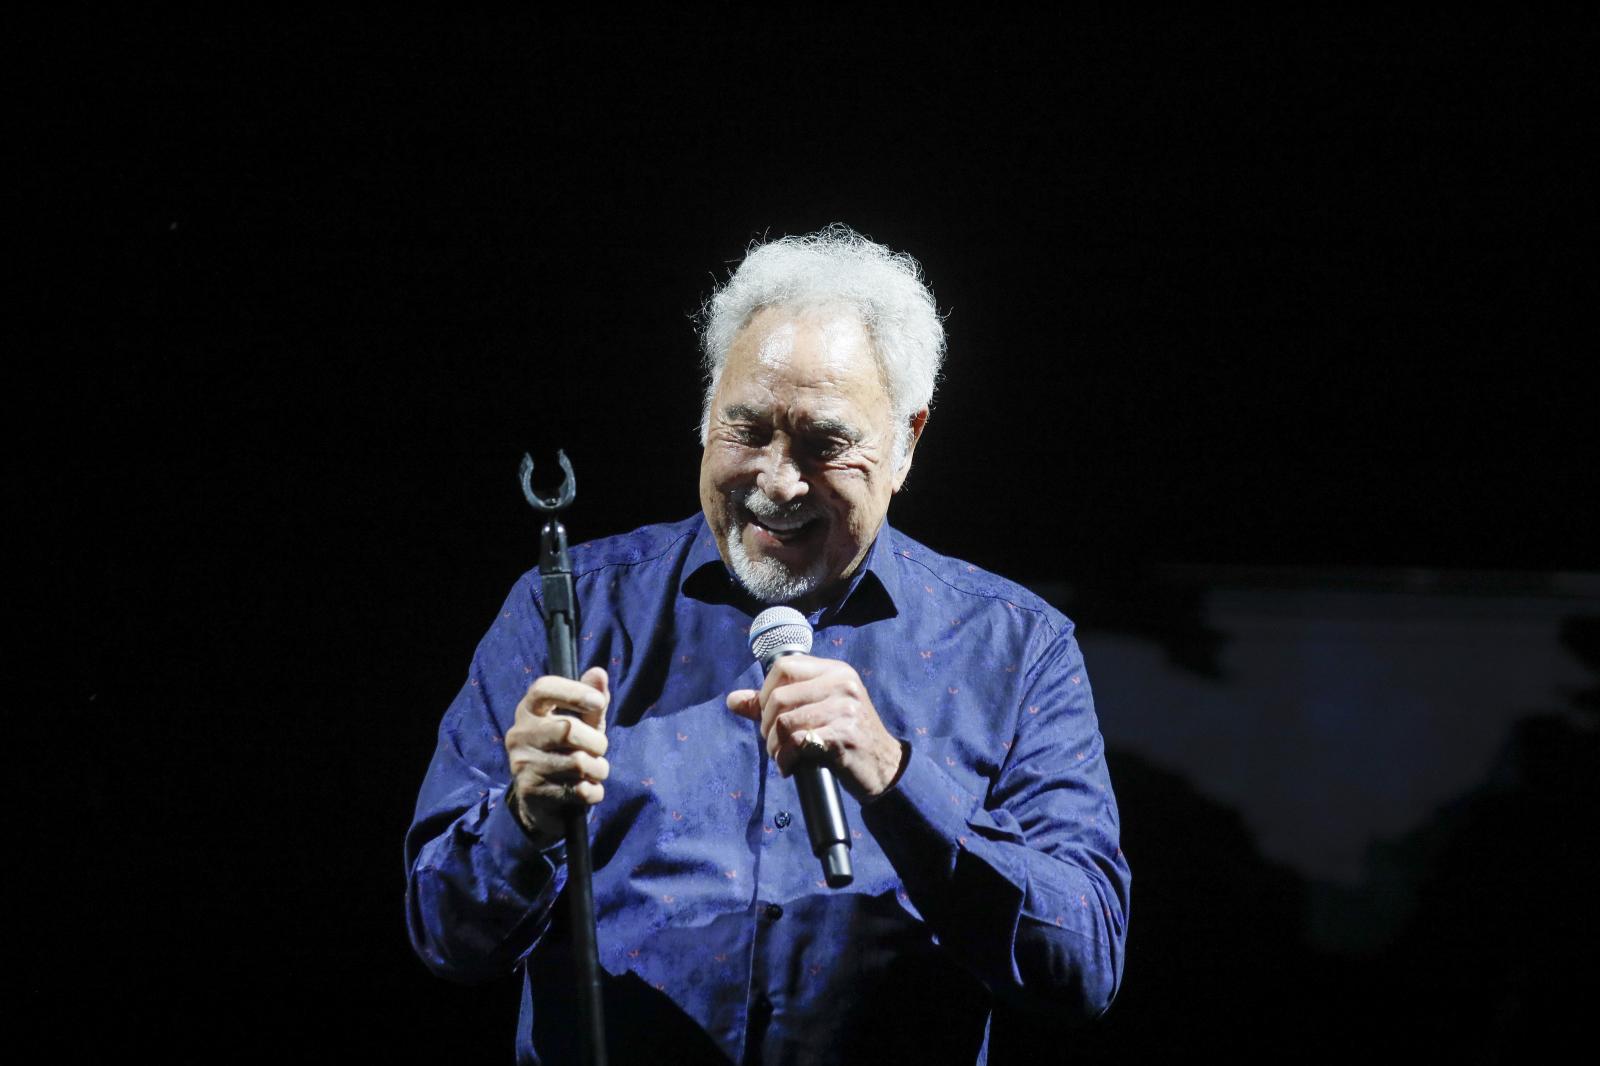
x,y
781,530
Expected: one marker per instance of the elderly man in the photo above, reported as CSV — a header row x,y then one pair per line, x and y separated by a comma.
x,y
951,704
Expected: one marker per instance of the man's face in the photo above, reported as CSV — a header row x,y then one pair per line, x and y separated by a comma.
x,y
797,472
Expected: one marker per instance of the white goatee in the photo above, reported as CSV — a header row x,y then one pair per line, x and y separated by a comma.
x,y
768,579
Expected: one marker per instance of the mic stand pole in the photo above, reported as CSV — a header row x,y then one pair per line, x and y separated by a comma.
x,y
560,610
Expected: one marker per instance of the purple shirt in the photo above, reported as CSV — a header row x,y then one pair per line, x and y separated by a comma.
x,y
989,871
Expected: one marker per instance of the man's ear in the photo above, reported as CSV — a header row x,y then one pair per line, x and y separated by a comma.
x,y
918,421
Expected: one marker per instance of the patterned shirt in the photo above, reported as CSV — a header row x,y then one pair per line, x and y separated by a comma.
x,y
990,870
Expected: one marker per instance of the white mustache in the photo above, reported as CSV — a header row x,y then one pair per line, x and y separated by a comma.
x,y
757,503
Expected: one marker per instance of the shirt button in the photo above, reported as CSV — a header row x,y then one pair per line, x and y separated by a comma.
x,y
774,912
782,819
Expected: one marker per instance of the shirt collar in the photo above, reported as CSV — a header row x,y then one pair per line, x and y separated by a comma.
x,y
871,594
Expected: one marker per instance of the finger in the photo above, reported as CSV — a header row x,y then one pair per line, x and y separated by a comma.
x,y
746,703
578,735
800,750
550,694
596,678
827,686
789,729
811,690
542,773
571,766
558,733
792,668
532,766
556,796
593,767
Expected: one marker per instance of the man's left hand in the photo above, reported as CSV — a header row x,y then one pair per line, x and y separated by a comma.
x,y
811,705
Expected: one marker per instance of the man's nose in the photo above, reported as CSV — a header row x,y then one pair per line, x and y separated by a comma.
x,y
780,479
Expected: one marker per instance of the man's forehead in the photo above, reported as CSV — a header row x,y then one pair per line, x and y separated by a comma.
x,y
819,351
824,401
776,345
828,331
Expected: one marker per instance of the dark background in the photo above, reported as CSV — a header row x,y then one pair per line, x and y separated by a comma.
x,y
296,294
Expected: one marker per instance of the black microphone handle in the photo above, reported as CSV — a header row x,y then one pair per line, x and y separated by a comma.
x,y
823,809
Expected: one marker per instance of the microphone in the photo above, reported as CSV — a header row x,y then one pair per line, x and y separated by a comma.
x,y
776,632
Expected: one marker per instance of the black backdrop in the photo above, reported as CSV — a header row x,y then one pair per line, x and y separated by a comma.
x,y
296,293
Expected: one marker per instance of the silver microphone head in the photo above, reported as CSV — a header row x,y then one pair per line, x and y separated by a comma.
x,y
779,631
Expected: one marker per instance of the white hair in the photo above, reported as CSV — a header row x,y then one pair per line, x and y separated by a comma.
x,y
836,265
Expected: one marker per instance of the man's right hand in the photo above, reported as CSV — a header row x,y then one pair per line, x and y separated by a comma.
x,y
557,759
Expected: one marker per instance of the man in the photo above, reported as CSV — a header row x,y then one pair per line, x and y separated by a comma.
x,y
952,706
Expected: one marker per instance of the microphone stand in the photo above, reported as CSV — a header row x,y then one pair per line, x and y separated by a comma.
x,y
560,610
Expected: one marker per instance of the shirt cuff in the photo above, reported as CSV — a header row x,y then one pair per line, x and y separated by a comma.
x,y
517,855
924,812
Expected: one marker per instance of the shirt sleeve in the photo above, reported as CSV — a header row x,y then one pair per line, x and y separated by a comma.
x,y
479,890
1027,885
